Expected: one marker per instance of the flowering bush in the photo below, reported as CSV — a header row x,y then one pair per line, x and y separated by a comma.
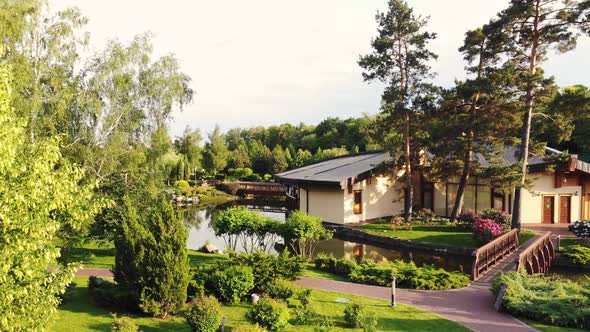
x,y
485,230
581,229
467,218
500,217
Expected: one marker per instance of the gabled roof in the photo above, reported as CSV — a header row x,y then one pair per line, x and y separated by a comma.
x,y
337,171
334,171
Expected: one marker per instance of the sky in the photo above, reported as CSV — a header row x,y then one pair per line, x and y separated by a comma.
x,y
264,62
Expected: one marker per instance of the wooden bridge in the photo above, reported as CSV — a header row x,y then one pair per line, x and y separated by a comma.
x,y
504,254
260,188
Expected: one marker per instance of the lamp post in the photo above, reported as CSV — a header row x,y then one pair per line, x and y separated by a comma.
x,y
393,292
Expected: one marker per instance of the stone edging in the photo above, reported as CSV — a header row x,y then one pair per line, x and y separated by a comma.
x,y
345,232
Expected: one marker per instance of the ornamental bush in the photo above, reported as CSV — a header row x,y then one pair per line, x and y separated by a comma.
x,y
123,324
248,328
279,289
231,284
485,230
581,229
467,218
578,254
549,300
323,324
204,314
500,217
270,314
353,315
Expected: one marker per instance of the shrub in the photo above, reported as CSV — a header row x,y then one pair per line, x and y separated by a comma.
x,y
353,315
369,322
123,324
500,217
302,232
248,328
267,268
320,260
425,215
467,218
303,296
182,185
323,324
107,294
279,289
204,315
231,284
270,314
581,229
578,254
303,313
485,230
553,301
344,266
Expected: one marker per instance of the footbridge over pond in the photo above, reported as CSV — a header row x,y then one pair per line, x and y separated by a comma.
x,y
506,254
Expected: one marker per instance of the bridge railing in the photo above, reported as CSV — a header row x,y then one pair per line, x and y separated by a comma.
x,y
262,187
538,256
487,256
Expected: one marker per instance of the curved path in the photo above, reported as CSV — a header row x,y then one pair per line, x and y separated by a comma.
x,y
470,306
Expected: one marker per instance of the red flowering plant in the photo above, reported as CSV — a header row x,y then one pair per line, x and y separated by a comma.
x,y
485,230
467,218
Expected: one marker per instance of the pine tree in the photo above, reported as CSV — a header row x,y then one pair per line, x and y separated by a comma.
x,y
279,161
534,27
400,59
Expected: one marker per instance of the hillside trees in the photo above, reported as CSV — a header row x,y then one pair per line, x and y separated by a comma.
x,y
400,59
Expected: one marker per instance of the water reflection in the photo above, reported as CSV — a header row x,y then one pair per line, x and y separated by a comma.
x,y
198,223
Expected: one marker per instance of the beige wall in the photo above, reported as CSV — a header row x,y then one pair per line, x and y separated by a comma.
x,y
542,186
323,203
381,198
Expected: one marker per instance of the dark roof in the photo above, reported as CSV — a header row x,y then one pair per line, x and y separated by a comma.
x,y
334,170
337,170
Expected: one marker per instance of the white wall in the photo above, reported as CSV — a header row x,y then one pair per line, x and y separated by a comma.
x,y
323,203
381,198
532,199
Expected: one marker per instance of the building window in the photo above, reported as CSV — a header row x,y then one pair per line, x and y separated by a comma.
x,y
358,202
428,195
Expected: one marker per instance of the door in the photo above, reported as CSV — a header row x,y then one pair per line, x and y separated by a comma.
x,y
358,202
565,203
587,211
548,209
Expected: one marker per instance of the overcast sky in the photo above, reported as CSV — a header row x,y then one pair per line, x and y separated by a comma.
x,y
263,62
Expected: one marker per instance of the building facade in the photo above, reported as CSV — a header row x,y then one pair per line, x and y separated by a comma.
x,y
354,189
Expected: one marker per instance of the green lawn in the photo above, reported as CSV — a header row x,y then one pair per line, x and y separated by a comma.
x,y
447,235
93,255
549,328
80,315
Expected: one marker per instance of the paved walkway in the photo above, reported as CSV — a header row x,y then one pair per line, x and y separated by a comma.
x,y
470,306
556,229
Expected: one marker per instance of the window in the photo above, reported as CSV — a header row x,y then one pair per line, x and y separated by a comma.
x,y
358,202
428,195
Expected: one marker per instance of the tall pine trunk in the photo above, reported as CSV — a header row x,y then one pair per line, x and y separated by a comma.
x,y
530,100
409,192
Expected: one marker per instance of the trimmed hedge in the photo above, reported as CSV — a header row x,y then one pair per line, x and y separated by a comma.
x,y
549,300
408,275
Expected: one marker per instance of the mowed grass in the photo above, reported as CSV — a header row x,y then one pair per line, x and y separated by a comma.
x,y
80,314
446,235
549,328
96,256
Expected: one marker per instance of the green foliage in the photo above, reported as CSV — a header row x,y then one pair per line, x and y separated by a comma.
x,y
353,315
268,267
550,300
279,289
240,226
323,324
248,328
204,315
181,185
215,154
270,314
500,217
302,232
151,256
425,215
41,194
369,322
408,274
231,284
578,254
123,324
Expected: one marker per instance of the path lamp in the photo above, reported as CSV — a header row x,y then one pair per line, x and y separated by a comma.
x,y
393,291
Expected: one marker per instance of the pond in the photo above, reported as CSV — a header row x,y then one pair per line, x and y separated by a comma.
x,y
198,222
